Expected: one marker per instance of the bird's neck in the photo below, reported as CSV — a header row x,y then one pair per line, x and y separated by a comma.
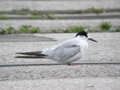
x,y
82,38
83,42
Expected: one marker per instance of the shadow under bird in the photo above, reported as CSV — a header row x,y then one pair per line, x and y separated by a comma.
x,y
65,52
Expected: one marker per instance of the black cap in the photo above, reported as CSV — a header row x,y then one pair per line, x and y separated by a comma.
x,y
82,33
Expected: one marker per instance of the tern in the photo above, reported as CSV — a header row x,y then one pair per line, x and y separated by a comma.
x,y
64,53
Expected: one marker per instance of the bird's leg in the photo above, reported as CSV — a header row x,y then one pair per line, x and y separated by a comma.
x,y
70,64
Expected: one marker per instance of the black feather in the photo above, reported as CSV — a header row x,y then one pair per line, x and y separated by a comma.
x,y
36,53
82,33
29,56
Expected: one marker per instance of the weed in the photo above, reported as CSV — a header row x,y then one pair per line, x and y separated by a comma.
x,y
25,9
54,31
21,10
92,30
35,12
35,30
2,31
1,12
3,18
74,29
94,10
28,29
117,29
10,30
24,29
42,16
49,16
105,26
35,17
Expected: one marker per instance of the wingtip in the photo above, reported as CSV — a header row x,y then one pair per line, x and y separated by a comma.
x,y
29,56
18,53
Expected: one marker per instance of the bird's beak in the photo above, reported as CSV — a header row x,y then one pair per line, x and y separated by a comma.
x,y
91,39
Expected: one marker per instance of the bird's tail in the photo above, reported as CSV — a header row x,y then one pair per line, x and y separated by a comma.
x,y
36,54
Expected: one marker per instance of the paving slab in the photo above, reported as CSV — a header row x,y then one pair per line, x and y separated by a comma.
x,y
49,72
66,84
60,5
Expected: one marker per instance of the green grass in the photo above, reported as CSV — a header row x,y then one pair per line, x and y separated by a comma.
x,y
1,12
74,29
3,18
8,30
94,10
21,10
55,31
2,31
117,29
105,26
36,12
35,17
25,11
35,30
22,29
93,30
89,10
28,29
42,16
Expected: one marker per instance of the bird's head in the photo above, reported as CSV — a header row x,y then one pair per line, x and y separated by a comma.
x,y
85,34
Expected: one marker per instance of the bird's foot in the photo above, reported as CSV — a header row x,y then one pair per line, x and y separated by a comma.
x,y
70,64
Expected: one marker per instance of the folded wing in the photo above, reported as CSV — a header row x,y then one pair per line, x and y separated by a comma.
x,y
64,53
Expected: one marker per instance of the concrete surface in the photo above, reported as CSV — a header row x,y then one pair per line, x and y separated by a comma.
x,y
101,59
60,5
24,38
99,69
63,84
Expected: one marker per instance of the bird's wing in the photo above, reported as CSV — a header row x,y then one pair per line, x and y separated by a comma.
x,y
65,51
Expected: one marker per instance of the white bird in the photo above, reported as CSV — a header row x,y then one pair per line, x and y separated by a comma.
x,y
65,52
